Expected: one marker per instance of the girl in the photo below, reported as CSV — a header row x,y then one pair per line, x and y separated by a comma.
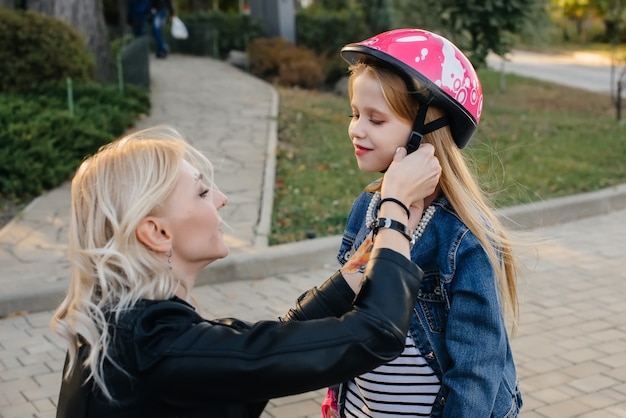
x,y
410,87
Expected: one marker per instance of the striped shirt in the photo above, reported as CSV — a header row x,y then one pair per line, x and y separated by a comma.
x,y
406,386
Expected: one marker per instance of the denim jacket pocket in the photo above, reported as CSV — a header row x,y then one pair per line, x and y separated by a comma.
x,y
512,400
432,303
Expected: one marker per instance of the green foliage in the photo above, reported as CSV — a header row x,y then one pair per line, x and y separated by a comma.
x,y
326,31
488,24
377,15
421,14
216,33
323,28
189,6
119,43
36,49
475,26
331,4
41,144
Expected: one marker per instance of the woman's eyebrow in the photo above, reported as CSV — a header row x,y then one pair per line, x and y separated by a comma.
x,y
197,177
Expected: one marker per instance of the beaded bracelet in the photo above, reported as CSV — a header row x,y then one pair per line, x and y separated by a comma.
x,y
396,201
391,224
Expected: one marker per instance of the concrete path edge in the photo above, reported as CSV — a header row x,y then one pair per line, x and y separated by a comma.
x,y
265,261
304,255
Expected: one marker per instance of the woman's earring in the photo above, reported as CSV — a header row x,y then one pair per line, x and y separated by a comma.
x,y
169,259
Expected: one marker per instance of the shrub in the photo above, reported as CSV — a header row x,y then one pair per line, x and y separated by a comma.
x,y
41,144
216,33
278,60
300,68
36,49
266,54
334,68
326,31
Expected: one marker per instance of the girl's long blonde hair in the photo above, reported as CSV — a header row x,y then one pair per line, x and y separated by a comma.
x,y
457,181
112,191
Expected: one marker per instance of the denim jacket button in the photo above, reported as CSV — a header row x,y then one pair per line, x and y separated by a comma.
x,y
430,356
442,401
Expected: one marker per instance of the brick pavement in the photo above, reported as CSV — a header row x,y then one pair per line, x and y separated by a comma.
x,y
570,348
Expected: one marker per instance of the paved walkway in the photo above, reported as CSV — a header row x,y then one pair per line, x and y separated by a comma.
x,y
571,346
224,112
586,71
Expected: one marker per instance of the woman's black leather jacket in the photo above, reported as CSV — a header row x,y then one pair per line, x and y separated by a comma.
x,y
177,364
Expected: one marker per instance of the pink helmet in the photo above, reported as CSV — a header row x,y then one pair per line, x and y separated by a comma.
x,y
436,63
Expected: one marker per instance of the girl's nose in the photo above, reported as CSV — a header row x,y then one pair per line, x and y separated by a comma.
x,y
354,129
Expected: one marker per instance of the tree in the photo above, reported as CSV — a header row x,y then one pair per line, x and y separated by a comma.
x,y
377,14
475,26
613,13
87,17
576,11
332,4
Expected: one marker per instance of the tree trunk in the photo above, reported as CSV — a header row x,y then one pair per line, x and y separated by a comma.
x,y
87,17
122,7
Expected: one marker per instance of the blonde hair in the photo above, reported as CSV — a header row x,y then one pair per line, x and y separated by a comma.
x,y
112,192
457,181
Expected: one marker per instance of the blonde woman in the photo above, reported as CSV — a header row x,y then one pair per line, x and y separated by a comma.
x,y
144,221
413,88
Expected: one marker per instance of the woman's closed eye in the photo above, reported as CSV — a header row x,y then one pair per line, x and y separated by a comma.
x,y
204,193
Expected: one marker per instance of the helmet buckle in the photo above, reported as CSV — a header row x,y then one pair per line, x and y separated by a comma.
x,y
414,142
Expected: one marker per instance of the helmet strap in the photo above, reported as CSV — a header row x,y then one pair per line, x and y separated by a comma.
x,y
419,128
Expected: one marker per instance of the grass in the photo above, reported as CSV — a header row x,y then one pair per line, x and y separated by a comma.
x,y
535,141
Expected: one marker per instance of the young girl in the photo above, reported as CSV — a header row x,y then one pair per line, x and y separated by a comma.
x,y
408,87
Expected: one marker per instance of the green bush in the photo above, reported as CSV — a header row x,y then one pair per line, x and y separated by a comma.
x,y
216,33
41,144
326,31
36,49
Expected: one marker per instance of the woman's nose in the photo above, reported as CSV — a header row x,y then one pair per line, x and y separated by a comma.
x,y
219,199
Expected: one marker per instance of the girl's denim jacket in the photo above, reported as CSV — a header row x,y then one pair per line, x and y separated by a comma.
x,y
457,321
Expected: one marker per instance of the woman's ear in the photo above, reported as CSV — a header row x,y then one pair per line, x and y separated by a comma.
x,y
152,233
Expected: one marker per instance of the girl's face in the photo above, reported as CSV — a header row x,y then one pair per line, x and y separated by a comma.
x,y
194,222
374,129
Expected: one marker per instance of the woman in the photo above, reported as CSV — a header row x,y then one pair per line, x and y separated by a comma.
x,y
144,222
409,87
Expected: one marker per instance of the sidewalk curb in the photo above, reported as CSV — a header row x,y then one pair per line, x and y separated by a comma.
x,y
269,261
264,226
304,255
